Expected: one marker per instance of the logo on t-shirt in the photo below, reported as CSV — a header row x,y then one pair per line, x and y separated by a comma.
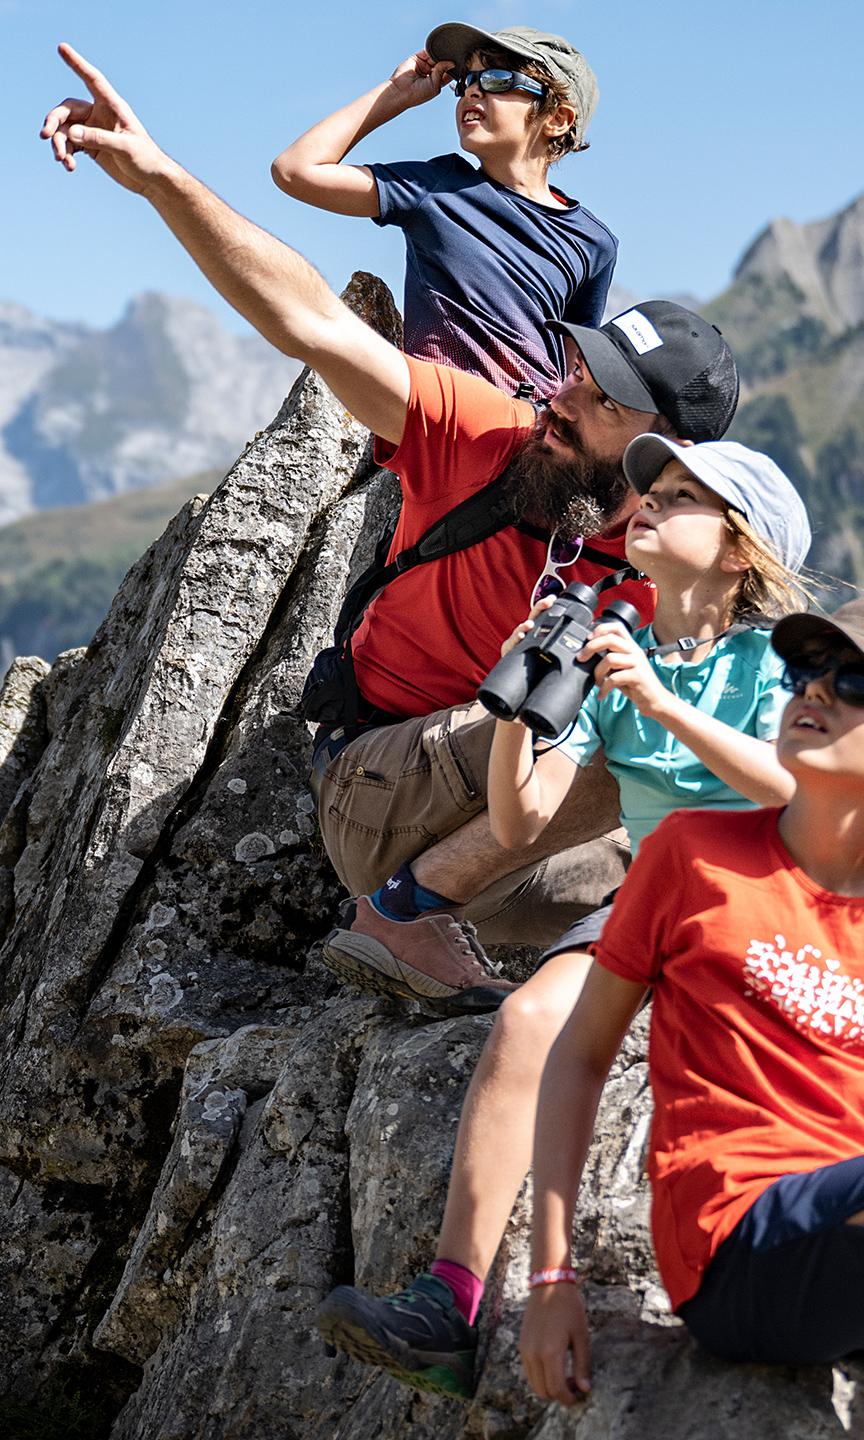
x,y
639,331
811,989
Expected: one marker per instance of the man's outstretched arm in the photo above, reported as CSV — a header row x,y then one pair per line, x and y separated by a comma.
x,y
277,291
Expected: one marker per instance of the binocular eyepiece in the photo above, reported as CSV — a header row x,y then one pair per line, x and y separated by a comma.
x,y
541,682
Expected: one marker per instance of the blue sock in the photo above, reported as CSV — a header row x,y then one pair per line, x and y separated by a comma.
x,y
401,898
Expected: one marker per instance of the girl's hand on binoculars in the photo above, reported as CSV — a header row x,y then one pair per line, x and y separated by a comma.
x,y
624,666
522,629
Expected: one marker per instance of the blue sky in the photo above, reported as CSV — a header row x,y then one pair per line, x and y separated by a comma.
x,y
713,119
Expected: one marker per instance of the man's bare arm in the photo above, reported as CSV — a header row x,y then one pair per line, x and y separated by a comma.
x,y
277,291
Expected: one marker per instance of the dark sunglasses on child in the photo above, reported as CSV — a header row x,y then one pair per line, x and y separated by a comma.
x,y
847,677
497,82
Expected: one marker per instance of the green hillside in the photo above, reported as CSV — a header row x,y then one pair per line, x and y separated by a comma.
x,y
60,570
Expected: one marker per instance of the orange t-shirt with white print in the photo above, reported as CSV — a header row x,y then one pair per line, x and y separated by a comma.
x,y
757,1032
433,634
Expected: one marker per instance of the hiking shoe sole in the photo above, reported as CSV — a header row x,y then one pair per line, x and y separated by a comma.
x,y
350,1323
362,961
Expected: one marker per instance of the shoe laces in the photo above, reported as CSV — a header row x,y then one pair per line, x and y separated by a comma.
x,y
471,945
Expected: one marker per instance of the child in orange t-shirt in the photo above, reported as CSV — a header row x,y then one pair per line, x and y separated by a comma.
x,y
748,927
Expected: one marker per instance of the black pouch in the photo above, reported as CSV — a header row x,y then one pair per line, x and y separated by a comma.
x,y
329,690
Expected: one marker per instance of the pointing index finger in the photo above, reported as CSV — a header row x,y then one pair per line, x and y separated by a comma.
x,y
95,81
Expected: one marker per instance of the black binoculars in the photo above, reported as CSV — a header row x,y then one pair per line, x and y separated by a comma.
x,y
541,682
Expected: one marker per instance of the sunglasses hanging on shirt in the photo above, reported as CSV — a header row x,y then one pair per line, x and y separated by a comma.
x,y
560,553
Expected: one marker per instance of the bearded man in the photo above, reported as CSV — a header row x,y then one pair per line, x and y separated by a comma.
x,y
402,796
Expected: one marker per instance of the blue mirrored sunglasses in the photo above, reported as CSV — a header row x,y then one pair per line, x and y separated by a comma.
x,y
847,679
497,82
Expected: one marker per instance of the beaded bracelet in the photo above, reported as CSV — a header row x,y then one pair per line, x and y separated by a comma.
x,y
557,1276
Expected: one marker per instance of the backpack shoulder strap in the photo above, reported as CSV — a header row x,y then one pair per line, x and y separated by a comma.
x,y
473,520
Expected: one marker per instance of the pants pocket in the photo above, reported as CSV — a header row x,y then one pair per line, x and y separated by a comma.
x,y
369,823
460,753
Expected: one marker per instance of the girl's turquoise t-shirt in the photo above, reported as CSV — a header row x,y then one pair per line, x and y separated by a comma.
x,y
738,682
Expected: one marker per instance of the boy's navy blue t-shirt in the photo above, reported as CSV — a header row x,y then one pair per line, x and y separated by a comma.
x,y
486,268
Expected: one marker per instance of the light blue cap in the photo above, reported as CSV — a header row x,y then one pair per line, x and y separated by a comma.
x,y
745,479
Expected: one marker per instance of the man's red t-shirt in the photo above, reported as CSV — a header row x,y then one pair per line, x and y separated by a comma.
x,y
757,1033
434,633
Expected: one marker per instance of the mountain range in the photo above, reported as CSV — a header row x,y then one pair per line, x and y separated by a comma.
x,y
794,316
165,392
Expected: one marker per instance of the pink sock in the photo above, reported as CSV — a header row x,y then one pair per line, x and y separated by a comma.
x,y
467,1289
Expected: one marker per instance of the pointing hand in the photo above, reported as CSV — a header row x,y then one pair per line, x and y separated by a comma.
x,y
103,127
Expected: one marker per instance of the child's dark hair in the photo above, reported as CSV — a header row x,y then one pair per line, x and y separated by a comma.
x,y
557,146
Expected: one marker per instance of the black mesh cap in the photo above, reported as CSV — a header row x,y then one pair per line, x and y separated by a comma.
x,y
663,359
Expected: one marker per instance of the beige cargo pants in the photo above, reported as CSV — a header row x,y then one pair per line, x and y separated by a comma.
x,y
397,790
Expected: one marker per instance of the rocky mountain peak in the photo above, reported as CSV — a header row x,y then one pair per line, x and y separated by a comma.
x,y
20,326
823,260
163,392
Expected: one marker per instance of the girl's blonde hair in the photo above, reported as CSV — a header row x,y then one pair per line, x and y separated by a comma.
x,y
767,587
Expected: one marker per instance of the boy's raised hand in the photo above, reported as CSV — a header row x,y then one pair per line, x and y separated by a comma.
x,y
104,127
420,78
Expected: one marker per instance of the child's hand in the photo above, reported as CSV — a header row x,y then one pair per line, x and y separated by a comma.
x,y
624,666
420,78
522,629
555,1332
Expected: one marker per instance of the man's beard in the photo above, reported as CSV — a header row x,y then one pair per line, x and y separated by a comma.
x,y
576,494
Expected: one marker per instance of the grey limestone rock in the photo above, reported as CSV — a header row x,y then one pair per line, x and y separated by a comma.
x,y
23,737
200,1132
22,724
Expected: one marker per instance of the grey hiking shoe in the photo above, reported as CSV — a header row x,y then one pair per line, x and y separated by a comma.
x,y
417,1335
435,959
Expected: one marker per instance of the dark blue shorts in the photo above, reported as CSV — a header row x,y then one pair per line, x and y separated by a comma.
x,y
787,1286
584,932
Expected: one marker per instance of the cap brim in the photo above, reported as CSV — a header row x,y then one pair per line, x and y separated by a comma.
x,y
609,369
455,42
793,631
647,455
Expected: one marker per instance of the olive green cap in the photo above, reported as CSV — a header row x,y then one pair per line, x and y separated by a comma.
x,y
565,64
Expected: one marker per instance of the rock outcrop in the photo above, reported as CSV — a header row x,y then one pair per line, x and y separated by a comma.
x,y
200,1132
822,260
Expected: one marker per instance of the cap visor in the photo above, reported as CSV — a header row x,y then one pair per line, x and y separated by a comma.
x,y
456,42
609,369
646,456
793,631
